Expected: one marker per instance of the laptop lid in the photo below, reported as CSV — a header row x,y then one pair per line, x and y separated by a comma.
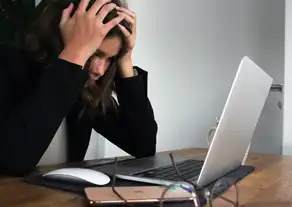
x,y
239,118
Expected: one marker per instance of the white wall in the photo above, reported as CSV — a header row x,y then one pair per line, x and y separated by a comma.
x,y
192,49
56,152
269,27
287,138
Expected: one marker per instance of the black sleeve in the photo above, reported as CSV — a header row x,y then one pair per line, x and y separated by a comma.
x,y
30,127
133,128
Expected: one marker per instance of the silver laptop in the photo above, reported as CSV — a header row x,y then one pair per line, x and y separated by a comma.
x,y
231,139
239,118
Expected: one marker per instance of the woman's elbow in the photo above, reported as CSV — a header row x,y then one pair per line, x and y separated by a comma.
x,y
15,166
17,171
146,152
148,147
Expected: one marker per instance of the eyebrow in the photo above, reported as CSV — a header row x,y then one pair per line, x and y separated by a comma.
x,y
102,53
99,52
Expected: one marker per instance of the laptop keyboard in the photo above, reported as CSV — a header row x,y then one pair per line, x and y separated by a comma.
x,y
189,169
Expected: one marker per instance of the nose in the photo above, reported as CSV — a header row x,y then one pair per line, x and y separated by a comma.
x,y
98,66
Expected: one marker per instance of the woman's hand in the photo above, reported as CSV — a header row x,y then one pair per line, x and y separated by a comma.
x,y
83,32
125,61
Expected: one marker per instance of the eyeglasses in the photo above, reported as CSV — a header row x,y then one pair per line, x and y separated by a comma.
x,y
209,194
114,184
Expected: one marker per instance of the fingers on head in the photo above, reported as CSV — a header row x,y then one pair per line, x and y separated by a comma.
x,y
66,13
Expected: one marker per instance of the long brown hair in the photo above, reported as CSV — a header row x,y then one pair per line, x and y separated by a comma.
x,y
42,43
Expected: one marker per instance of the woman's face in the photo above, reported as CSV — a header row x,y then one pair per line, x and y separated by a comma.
x,y
100,61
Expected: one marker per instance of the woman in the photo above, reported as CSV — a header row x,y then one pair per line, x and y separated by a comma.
x,y
73,58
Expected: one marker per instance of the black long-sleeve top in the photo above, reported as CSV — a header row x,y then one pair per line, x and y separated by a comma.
x,y
35,101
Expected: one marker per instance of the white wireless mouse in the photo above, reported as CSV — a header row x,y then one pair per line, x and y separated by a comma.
x,y
79,175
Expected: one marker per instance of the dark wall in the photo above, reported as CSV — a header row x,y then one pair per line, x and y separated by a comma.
x,y
15,15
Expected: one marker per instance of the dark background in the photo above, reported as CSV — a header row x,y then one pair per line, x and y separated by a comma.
x,y
15,16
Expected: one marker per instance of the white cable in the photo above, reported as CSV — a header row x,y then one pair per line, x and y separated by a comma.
x,y
210,138
210,135
211,132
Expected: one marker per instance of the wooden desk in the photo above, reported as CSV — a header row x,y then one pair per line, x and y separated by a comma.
x,y
270,185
